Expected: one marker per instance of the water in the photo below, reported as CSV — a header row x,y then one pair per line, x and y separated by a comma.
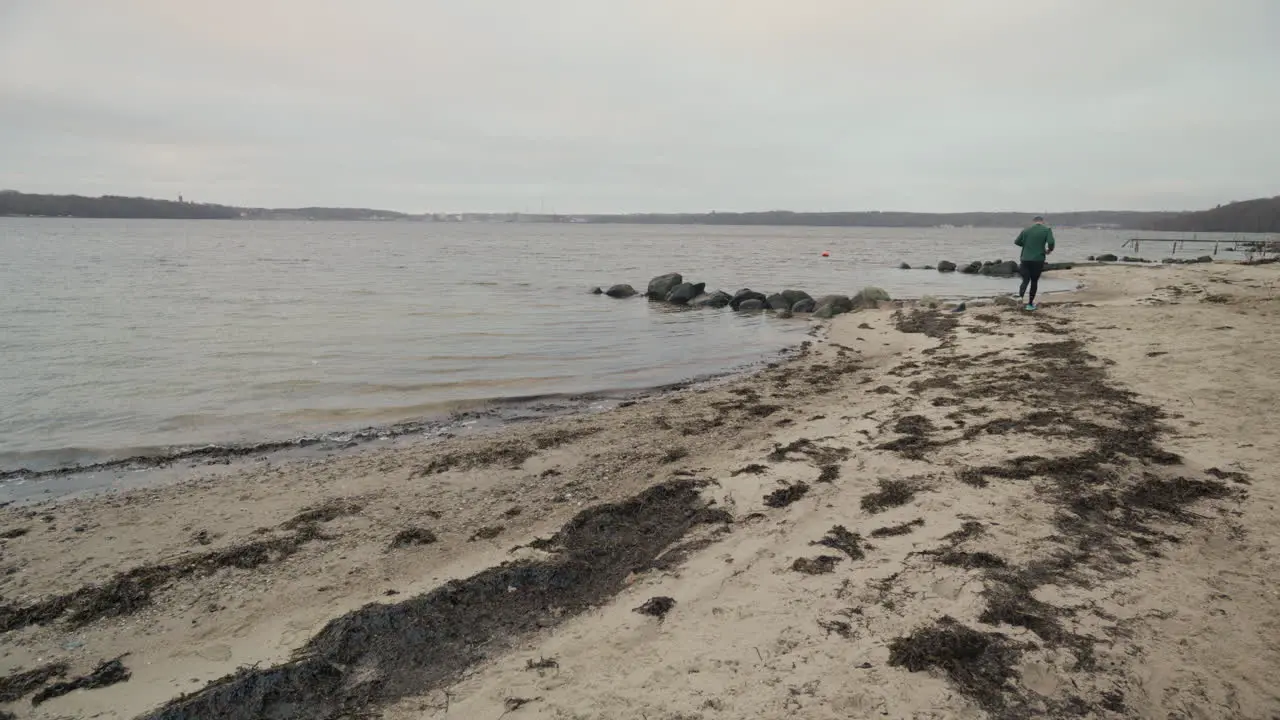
x,y
128,337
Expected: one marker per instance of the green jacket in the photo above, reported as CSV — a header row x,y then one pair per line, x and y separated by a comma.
x,y
1034,241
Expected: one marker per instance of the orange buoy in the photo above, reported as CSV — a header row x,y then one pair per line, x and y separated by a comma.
x,y
826,254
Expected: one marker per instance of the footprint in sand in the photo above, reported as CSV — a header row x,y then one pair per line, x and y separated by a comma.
x,y
1039,677
215,653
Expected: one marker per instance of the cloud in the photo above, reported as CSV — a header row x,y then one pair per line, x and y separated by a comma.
x,y
629,105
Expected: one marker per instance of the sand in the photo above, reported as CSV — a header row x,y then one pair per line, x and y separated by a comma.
x,y
981,514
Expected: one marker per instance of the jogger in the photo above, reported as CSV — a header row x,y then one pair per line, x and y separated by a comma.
x,y
1036,243
1030,271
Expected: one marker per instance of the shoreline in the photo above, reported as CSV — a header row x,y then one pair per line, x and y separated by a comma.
x,y
486,417
824,527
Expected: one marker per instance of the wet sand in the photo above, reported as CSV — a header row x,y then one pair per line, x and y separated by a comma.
x,y
989,513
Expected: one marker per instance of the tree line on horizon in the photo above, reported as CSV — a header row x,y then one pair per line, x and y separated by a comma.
x,y
1250,216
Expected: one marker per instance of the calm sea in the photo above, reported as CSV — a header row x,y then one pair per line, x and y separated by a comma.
x,y
128,337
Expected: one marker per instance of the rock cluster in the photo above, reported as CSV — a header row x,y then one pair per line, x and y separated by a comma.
x,y
993,268
673,289
1108,257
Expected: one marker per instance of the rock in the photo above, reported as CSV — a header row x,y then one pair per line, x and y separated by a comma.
x,y
777,302
946,266
717,299
1058,266
928,267
869,297
874,294
620,291
785,314
750,304
795,296
842,303
684,292
806,305
662,286
1205,259
972,268
596,291
1169,261
1107,258
1007,268
959,308
1092,258
828,306
1126,258
904,266
746,294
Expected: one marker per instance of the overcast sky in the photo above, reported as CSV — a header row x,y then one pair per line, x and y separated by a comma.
x,y
646,105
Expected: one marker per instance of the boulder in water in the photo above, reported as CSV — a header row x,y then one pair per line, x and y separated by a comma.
x,y
596,291
1007,268
1205,259
972,268
750,304
746,294
777,302
904,266
1108,257
795,296
662,286
684,292
717,299
946,266
620,291
807,305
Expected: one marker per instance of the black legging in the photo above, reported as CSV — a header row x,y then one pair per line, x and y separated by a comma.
x,y
1030,271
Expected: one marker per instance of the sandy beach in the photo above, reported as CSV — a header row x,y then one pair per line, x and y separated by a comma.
x,y
925,514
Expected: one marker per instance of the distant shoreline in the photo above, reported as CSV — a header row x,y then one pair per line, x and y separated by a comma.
x,y
1251,216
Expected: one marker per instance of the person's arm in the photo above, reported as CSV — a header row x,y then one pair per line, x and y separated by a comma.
x,y
1019,241
1049,247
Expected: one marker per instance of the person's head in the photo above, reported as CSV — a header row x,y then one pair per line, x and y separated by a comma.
x,y
1039,220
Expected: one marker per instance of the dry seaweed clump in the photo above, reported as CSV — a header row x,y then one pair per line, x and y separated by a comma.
x,y
840,538
892,493
914,443
829,473
905,528
326,512
820,565
109,672
979,664
656,607
127,592
784,496
410,537
381,653
931,323
19,685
